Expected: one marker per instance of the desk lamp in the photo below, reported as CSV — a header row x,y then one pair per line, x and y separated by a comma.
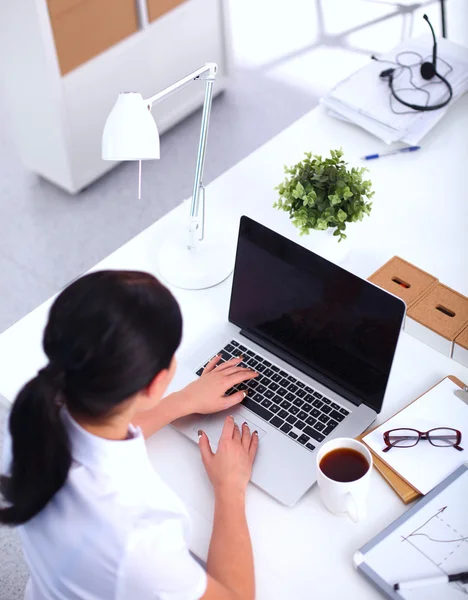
x,y
185,260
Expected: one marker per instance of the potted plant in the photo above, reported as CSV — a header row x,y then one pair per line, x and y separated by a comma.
x,y
324,194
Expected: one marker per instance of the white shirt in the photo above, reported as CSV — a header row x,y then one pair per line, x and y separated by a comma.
x,y
115,531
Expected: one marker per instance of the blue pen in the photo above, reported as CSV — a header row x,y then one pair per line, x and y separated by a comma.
x,y
399,151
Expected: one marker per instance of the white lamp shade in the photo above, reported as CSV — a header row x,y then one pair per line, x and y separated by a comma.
x,y
130,132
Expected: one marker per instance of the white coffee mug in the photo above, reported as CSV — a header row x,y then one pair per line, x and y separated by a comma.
x,y
345,497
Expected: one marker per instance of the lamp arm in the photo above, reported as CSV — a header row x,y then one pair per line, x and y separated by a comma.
x,y
208,74
208,71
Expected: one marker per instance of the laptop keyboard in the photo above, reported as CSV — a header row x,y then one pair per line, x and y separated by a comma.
x,y
294,408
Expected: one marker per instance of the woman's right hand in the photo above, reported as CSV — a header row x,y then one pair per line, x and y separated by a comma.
x,y
206,395
230,468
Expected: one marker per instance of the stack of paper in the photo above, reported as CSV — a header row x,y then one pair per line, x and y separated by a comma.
x,y
365,99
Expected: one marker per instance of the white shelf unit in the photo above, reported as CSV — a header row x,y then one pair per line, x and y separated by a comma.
x,y
57,120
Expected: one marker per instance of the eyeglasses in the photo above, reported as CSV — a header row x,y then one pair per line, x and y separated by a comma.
x,y
442,437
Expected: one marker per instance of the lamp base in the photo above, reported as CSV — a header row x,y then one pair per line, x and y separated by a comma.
x,y
210,262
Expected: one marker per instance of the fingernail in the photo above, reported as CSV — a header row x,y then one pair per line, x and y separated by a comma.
x,y
244,423
200,433
245,393
255,432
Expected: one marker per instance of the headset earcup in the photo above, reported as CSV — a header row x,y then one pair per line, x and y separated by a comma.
x,y
427,70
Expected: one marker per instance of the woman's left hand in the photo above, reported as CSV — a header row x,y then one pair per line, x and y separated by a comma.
x,y
207,394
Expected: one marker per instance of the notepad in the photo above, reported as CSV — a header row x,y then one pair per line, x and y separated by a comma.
x,y
425,466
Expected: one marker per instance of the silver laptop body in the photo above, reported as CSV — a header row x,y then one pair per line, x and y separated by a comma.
x,y
296,412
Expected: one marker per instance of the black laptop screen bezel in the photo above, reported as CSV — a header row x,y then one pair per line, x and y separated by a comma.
x,y
248,228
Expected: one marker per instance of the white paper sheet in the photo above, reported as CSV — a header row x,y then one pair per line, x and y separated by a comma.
x,y
424,466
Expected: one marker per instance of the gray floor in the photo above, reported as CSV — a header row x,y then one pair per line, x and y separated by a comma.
x,y
284,63
13,571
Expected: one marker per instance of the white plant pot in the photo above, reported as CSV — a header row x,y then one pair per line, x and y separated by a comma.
x,y
327,245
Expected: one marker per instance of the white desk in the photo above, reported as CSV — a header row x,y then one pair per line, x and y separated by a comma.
x,y
420,212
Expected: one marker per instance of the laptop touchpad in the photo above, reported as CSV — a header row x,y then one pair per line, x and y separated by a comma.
x,y
213,426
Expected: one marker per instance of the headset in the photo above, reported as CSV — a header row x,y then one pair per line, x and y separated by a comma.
x,y
428,71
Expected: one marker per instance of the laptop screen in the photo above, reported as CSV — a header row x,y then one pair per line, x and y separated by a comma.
x,y
337,328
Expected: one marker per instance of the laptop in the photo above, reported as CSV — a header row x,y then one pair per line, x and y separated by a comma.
x,y
323,342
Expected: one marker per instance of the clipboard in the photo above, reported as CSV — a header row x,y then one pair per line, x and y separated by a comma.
x,y
448,495
405,491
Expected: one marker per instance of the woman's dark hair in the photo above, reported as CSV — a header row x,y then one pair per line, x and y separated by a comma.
x,y
108,335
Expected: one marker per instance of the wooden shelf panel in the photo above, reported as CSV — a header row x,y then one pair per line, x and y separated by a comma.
x,y
84,28
157,8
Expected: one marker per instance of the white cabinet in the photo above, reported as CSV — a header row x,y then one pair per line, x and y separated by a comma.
x,y
57,120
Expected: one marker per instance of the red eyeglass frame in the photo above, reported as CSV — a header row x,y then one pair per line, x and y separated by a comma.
x,y
422,435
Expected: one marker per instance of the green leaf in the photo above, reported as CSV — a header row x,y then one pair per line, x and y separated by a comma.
x,y
341,215
322,224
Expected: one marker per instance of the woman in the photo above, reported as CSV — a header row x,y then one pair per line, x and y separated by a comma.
x,y
95,520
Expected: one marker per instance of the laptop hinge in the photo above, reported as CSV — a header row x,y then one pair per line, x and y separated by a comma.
x,y
300,366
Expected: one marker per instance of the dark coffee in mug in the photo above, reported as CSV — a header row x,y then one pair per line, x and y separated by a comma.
x,y
344,464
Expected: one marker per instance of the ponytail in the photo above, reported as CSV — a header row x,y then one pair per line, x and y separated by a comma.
x,y
108,335
40,449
